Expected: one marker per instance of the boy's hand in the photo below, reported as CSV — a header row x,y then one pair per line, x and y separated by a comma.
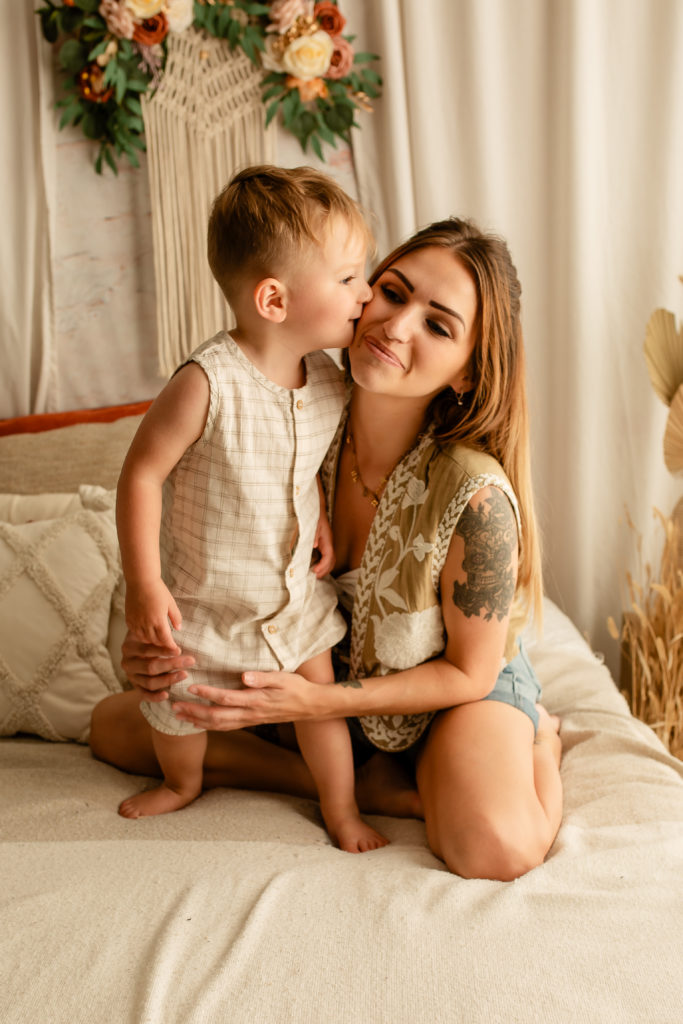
x,y
325,546
149,607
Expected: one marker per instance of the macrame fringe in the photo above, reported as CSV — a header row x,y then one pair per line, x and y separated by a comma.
x,y
204,122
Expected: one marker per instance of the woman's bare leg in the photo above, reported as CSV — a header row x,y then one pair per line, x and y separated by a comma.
x,y
492,795
121,736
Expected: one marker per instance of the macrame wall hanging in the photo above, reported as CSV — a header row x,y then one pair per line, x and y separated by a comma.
x,y
205,121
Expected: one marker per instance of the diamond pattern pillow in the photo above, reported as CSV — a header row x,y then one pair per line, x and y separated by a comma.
x,y
57,577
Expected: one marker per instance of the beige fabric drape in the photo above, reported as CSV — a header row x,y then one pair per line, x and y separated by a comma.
x,y
26,334
558,124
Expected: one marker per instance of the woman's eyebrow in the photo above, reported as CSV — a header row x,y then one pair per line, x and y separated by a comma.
x,y
445,309
407,283
436,305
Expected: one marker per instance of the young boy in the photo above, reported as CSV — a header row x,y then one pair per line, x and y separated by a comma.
x,y
234,443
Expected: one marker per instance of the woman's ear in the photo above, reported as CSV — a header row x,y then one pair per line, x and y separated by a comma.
x,y
269,300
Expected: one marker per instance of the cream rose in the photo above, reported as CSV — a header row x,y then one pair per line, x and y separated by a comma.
x,y
143,9
308,56
180,14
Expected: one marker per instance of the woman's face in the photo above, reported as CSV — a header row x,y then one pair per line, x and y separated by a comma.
x,y
416,335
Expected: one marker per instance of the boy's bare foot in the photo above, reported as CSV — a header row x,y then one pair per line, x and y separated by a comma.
x,y
384,787
354,835
161,800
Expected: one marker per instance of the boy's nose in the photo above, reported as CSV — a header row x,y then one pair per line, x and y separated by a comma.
x,y
366,292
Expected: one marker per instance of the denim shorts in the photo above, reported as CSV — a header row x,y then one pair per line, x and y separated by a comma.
x,y
516,685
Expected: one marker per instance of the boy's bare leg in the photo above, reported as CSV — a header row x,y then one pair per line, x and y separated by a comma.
x,y
121,736
181,759
326,747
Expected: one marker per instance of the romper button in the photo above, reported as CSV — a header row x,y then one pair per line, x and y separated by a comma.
x,y
291,572
272,629
297,489
299,404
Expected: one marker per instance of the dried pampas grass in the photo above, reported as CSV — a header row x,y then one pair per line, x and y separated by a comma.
x,y
652,638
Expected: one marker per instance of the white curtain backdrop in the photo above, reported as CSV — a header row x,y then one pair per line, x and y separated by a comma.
x,y
558,124
26,162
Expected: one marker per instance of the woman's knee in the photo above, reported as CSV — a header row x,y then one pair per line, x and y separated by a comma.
x,y
491,848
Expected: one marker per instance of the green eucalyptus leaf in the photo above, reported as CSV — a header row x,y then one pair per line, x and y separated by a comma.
x,y
121,85
89,126
317,148
72,56
97,50
271,111
110,159
49,25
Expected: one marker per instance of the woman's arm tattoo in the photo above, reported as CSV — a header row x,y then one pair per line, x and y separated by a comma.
x,y
490,535
355,683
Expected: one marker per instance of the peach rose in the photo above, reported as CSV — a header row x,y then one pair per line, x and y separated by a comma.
x,y
342,58
283,14
308,56
330,18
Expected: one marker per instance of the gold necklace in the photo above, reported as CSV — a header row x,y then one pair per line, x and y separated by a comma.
x,y
374,496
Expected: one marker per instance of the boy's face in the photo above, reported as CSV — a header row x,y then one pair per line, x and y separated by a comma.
x,y
328,290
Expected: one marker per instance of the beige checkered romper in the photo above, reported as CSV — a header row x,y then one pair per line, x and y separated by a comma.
x,y
239,517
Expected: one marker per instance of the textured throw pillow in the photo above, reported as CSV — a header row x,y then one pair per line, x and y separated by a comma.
x,y
57,577
100,499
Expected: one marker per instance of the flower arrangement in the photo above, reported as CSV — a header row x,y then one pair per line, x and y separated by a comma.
x,y
113,51
652,631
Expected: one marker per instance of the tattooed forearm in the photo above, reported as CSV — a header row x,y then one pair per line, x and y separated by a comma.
x,y
490,535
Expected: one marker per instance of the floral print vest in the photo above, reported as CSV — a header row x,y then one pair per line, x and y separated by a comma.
x,y
397,622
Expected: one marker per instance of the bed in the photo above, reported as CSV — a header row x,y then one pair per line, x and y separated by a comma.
x,y
238,908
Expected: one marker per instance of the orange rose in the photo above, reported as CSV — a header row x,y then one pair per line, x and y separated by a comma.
x,y
151,30
330,18
309,89
341,61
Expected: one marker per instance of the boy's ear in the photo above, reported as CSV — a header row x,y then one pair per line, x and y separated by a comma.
x,y
269,299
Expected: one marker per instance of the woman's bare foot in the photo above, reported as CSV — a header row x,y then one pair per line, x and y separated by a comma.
x,y
353,835
161,800
384,787
549,731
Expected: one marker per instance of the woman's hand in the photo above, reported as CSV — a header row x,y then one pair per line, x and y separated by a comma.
x,y
152,668
268,697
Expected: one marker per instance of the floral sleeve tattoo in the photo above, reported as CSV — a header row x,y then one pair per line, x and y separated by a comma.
x,y
490,535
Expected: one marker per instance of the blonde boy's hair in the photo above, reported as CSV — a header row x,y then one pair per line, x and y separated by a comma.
x,y
267,216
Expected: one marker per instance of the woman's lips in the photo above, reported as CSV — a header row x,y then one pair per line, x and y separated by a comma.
x,y
382,352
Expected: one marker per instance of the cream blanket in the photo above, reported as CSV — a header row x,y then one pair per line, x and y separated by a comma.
x,y
238,909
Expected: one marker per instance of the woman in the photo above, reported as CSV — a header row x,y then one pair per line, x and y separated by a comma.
x,y
436,553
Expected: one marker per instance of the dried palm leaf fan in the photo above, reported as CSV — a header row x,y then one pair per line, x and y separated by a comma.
x,y
204,122
652,634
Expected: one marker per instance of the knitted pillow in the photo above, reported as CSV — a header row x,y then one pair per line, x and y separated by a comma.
x,y
57,577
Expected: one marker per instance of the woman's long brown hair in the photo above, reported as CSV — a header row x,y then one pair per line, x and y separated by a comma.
x,y
494,416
